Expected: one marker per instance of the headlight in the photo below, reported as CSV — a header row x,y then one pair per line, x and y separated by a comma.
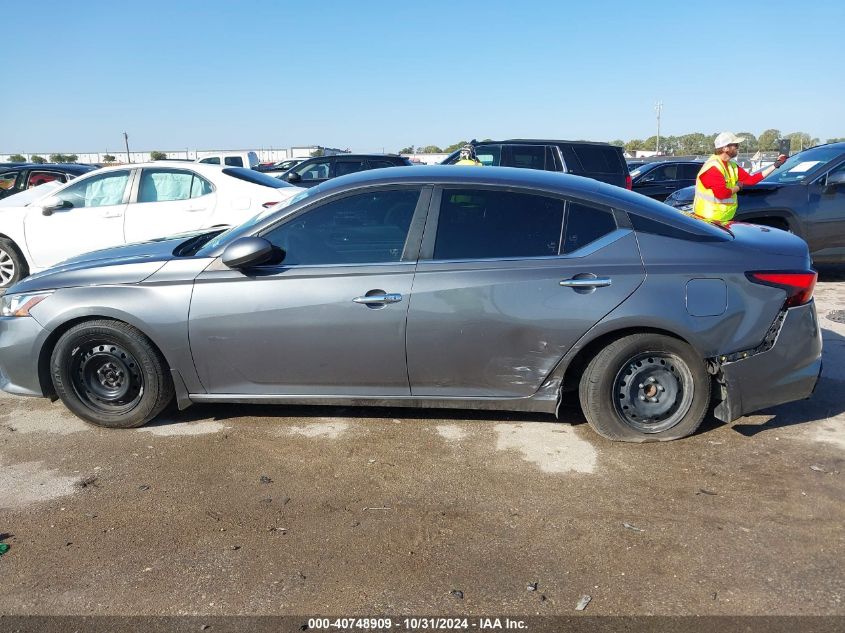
x,y
19,305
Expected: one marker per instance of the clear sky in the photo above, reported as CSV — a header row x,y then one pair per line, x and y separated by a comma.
x,y
373,75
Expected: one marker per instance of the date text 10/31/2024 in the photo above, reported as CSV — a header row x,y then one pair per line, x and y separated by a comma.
x,y
416,624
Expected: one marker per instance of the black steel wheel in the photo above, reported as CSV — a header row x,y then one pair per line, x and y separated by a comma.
x,y
645,387
106,377
654,391
110,374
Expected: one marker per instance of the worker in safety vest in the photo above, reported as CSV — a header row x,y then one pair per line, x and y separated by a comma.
x,y
468,156
720,178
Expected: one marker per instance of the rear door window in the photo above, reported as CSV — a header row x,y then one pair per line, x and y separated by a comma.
x,y
234,161
214,160
379,164
484,224
689,171
597,158
343,167
526,156
167,185
584,225
40,177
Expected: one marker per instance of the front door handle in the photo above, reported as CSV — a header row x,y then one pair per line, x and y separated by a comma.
x,y
379,299
112,214
586,282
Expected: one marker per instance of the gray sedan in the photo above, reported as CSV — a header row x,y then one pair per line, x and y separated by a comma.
x,y
442,286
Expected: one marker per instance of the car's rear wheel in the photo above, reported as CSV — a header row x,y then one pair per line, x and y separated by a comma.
x,y
645,387
13,266
110,374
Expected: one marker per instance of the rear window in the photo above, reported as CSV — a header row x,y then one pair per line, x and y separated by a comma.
x,y
598,159
255,177
234,161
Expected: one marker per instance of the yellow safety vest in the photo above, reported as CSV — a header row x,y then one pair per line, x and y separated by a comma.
x,y
469,161
708,206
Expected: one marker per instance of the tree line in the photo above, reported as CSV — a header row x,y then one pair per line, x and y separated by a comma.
x,y
685,144
700,143
35,158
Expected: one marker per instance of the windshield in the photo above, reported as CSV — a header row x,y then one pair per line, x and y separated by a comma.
x,y
244,228
797,168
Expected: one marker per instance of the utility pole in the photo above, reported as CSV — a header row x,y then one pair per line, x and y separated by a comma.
x,y
126,140
658,107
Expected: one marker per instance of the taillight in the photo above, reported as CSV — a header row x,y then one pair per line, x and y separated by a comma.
x,y
267,205
629,183
798,285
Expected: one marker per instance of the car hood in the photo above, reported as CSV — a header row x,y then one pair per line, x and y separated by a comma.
x,y
127,264
24,198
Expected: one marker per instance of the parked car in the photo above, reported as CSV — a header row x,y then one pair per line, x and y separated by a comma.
x,y
231,159
599,161
116,205
459,287
661,178
279,167
313,171
18,178
806,196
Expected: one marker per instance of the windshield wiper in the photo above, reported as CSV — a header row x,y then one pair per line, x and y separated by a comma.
x,y
193,245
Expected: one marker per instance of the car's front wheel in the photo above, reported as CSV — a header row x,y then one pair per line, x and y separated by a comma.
x,y
645,387
110,374
13,266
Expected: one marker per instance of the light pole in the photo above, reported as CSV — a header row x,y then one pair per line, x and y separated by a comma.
x,y
658,107
126,140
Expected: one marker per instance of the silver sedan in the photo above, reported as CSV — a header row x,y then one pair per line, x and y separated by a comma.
x,y
441,286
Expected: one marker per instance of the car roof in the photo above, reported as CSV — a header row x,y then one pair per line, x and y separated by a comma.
x,y
456,174
350,156
68,167
549,142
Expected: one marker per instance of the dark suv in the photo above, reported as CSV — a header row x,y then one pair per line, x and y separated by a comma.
x,y
806,196
321,168
16,178
659,179
599,161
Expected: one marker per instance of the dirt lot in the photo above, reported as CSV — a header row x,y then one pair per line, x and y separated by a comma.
x,y
282,510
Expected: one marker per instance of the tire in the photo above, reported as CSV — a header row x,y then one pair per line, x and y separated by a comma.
x,y
13,266
110,374
645,388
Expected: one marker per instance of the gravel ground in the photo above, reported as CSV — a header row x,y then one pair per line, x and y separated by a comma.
x,y
295,510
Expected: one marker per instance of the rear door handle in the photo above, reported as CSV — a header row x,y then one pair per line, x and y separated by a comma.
x,y
379,299
586,282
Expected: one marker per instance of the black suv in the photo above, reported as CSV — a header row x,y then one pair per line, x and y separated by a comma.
x,y
599,161
16,178
805,196
659,179
321,168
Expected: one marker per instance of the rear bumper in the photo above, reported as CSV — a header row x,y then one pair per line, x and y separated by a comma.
x,y
786,371
21,339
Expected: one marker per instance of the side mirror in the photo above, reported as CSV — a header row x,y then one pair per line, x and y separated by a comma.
x,y
54,203
293,177
247,251
834,180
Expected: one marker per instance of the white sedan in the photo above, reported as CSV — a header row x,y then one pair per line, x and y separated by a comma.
x,y
125,204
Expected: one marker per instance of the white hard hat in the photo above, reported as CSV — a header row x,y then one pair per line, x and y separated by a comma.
x,y
727,138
